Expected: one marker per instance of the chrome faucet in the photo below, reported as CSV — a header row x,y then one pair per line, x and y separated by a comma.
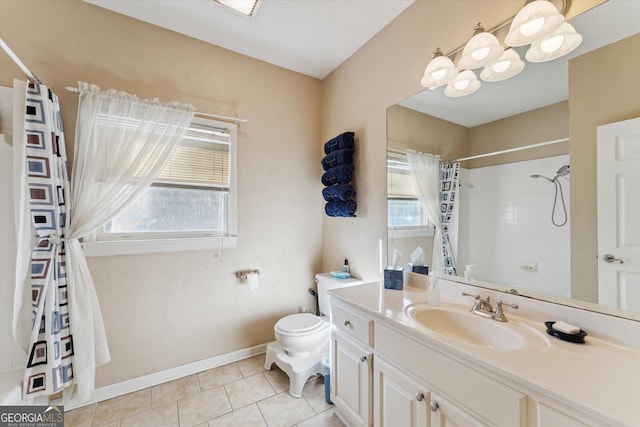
x,y
482,307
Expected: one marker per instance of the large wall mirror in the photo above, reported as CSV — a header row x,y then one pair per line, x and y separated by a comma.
x,y
514,217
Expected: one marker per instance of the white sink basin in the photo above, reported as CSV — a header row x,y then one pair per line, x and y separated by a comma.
x,y
463,326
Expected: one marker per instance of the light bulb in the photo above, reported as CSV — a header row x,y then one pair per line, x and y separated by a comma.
x,y
480,54
532,27
438,74
461,84
501,67
552,44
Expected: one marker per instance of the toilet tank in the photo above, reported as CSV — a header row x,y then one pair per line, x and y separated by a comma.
x,y
326,282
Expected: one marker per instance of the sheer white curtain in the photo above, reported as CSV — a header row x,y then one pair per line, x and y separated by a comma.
x,y
425,172
121,145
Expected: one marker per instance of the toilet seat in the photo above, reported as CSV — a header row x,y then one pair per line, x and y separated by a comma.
x,y
300,324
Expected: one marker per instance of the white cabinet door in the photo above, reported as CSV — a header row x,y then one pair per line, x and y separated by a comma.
x,y
446,414
618,213
351,371
399,401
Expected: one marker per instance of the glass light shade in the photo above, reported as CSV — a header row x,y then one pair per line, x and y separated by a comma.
x,y
561,42
465,84
482,49
507,66
536,20
439,71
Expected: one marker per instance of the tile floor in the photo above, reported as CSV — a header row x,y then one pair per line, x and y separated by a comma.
x,y
238,394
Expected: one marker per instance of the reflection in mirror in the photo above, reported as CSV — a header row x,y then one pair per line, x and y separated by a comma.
x,y
511,223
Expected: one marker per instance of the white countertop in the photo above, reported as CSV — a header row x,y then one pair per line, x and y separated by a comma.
x,y
598,378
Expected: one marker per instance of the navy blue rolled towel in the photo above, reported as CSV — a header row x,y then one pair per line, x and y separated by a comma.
x,y
339,175
337,158
344,140
340,192
347,209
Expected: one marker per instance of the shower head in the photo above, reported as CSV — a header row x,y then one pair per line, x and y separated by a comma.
x,y
563,171
543,177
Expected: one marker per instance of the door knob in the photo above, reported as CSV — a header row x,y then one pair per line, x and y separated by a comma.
x,y
419,396
434,405
610,258
363,358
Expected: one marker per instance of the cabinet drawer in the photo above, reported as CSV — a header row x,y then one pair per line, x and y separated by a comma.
x,y
352,323
485,397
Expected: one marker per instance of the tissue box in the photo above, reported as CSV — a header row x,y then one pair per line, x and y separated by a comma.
x,y
393,278
421,269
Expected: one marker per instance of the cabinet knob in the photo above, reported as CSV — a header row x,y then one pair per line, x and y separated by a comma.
x,y
347,323
363,357
419,396
434,405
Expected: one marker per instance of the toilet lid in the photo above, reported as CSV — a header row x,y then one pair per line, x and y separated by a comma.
x,y
300,322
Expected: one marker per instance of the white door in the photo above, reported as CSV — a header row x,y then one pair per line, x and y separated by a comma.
x,y
619,214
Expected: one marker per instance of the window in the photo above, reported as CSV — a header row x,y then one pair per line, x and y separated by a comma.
x,y
190,205
405,215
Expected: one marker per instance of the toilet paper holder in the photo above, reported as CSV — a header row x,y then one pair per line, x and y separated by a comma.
x,y
242,275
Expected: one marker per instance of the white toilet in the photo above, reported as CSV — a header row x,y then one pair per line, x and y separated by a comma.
x,y
302,339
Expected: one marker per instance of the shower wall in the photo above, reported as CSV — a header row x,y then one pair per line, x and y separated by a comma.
x,y
506,228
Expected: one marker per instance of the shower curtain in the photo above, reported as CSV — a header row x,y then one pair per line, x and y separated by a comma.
x,y
425,173
437,186
449,184
121,145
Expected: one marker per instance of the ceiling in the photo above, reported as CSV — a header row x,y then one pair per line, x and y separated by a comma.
x,y
539,84
311,37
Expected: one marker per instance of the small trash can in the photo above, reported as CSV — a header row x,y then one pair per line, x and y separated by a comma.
x,y
326,373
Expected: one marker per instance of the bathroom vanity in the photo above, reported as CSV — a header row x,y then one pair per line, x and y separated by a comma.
x,y
396,362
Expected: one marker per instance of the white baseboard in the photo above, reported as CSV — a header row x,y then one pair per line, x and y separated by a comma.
x,y
118,389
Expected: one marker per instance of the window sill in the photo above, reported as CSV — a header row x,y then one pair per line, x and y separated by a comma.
x,y
404,233
155,246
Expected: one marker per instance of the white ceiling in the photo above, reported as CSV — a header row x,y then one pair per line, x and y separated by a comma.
x,y
311,37
539,84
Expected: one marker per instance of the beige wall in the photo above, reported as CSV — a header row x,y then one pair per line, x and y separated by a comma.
x,y
167,310
535,126
603,88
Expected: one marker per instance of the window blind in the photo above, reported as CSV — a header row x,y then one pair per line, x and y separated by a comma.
x,y
399,181
201,160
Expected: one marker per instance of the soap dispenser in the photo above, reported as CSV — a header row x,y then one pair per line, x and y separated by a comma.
x,y
433,293
345,267
468,275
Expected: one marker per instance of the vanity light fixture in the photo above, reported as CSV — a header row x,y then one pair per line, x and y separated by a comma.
x,y
538,23
537,19
440,71
564,40
482,49
506,67
465,84
246,7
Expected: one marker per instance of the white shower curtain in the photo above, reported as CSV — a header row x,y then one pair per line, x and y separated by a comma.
x,y
121,145
425,172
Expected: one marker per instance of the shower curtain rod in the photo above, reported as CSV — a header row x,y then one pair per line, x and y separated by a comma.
x,y
32,77
236,120
495,153
510,150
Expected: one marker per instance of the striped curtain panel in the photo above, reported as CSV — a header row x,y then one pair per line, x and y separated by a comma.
x,y
50,363
449,185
